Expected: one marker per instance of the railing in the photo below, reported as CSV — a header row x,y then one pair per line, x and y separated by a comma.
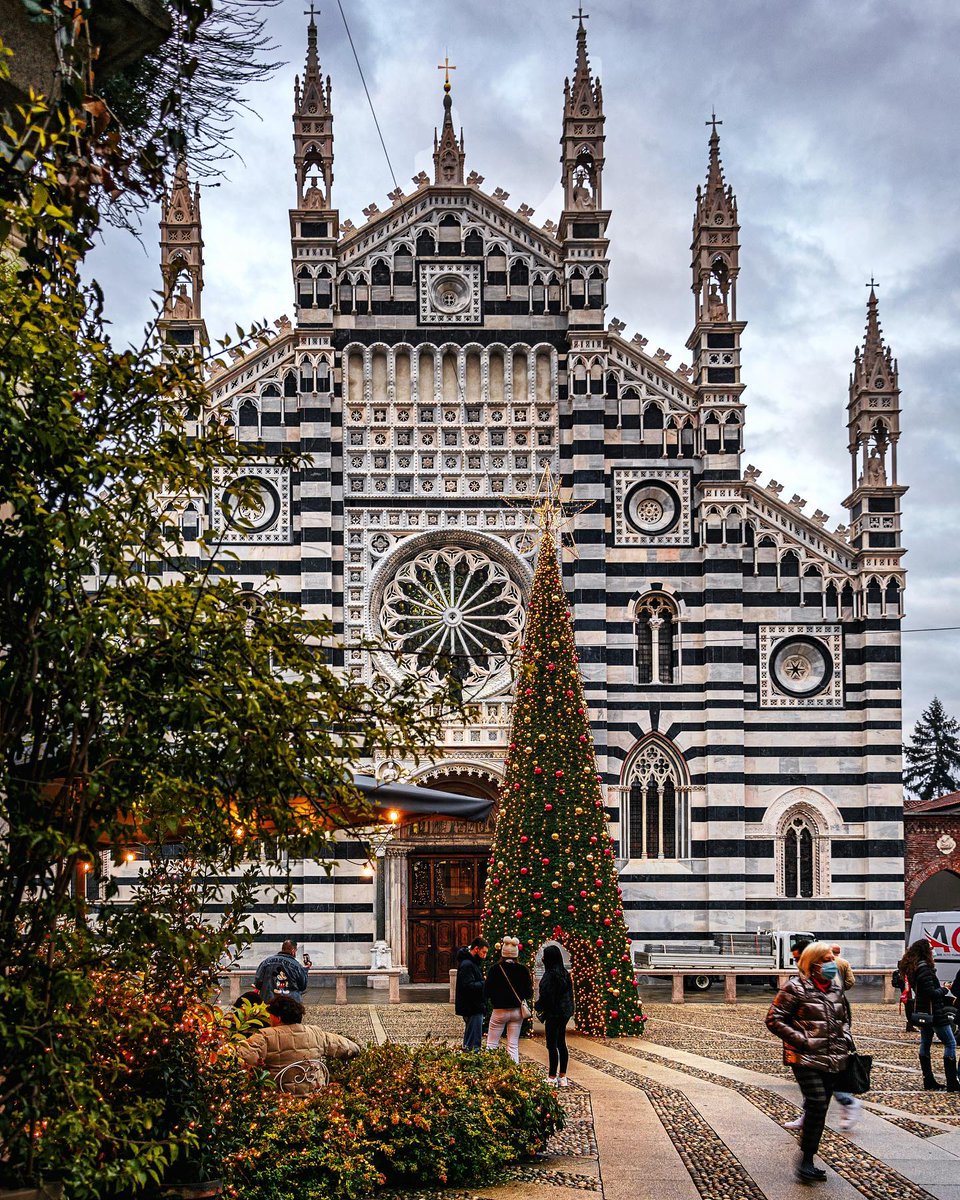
x,y
340,975
731,975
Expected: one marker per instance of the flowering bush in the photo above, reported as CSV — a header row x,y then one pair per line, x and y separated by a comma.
x,y
394,1116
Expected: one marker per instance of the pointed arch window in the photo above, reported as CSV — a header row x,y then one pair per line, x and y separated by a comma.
x,y
802,852
656,637
657,818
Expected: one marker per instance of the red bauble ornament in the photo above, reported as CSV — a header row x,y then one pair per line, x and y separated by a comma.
x,y
528,691
596,803
607,921
558,774
599,941
613,971
614,1014
496,883
523,870
570,697
548,808
516,787
571,908
580,712
583,895
545,861
538,770
593,840
598,883
538,895
583,738
524,838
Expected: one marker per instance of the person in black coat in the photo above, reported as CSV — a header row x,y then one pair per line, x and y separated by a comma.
x,y
930,1003
469,1002
508,986
555,1008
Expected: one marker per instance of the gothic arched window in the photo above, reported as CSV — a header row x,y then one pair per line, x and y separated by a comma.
x,y
802,853
656,823
656,618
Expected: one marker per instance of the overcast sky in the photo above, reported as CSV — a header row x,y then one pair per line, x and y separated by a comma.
x,y
839,136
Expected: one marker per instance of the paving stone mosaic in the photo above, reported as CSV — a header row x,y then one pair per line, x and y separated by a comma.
x,y
870,1176
416,1023
350,1020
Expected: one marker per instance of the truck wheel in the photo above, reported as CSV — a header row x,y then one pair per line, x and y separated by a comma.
x,y
699,983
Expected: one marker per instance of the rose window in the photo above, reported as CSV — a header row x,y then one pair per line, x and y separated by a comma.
x,y
453,612
649,511
801,666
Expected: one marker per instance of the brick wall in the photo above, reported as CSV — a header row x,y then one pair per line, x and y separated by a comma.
x,y
921,856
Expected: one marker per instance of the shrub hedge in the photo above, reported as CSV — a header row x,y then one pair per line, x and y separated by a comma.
x,y
396,1116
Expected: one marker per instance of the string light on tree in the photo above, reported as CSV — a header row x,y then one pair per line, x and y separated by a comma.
x,y
551,873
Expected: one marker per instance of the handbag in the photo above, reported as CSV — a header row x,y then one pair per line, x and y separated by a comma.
x,y
855,1076
525,1010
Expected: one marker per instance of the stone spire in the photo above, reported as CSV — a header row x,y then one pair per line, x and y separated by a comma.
x,y
873,407
448,153
313,131
181,260
582,141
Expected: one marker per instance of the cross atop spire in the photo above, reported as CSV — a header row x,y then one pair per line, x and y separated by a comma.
x,y
580,15
446,66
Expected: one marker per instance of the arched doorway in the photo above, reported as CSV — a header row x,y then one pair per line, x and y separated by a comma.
x,y
446,872
939,893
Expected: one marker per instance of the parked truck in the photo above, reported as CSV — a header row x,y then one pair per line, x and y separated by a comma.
x,y
722,952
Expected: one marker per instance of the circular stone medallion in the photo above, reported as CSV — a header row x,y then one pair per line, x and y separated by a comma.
x,y
801,666
250,504
652,507
450,293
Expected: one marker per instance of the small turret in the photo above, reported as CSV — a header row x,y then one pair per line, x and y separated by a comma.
x,y
448,152
181,262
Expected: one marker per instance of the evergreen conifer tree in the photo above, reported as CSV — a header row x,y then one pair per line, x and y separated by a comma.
x,y
551,873
933,756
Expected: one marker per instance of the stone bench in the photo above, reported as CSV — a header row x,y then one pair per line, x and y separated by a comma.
x,y
238,980
730,977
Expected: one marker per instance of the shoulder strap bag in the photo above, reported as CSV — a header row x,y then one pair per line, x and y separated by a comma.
x,y
524,1007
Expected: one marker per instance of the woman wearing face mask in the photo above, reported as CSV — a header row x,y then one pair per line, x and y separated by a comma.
x,y
809,1015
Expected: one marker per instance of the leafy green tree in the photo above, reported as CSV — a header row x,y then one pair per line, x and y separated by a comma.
x,y
551,874
933,755
132,709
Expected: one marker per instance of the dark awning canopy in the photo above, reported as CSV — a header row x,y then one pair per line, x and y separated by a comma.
x,y
408,799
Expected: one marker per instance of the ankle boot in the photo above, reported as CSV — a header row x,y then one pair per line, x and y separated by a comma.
x,y
950,1071
929,1083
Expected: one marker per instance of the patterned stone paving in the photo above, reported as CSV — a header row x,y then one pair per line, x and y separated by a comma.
x,y
349,1020
869,1175
415,1023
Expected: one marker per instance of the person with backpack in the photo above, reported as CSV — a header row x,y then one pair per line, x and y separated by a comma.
x,y
281,975
509,988
554,1007
930,1012
469,1002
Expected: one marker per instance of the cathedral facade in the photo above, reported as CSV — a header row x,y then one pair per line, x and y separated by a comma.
x,y
741,659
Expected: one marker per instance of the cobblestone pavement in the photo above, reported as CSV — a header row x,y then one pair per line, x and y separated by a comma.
x,y
729,1035
736,1034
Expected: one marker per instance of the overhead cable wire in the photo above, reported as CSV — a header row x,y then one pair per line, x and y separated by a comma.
x,y
373,111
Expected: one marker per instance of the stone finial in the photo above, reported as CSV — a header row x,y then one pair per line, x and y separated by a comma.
x,y
662,355
752,473
421,179
797,501
396,196
616,327
639,340
474,180
370,211
283,323
820,517
684,370
347,226
549,226
841,531
525,211
236,353
774,487
501,195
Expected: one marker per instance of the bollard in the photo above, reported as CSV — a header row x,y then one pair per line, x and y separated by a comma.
x,y
394,993
676,994
341,992
730,989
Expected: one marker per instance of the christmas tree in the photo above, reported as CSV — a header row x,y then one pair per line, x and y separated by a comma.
x,y
551,875
933,757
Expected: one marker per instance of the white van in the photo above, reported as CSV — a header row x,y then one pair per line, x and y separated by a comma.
x,y
942,931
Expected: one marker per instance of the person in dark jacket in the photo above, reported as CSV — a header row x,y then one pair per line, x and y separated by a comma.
x,y
469,1002
555,1008
811,1018
930,1000
507,985
281,975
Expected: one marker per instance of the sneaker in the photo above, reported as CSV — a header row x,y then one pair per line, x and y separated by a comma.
x,y
797,1123
850,1115
552,1080
563,1081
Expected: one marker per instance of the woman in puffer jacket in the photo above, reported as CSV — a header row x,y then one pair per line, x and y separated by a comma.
x,y
930,1002
291,1042
810,1016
